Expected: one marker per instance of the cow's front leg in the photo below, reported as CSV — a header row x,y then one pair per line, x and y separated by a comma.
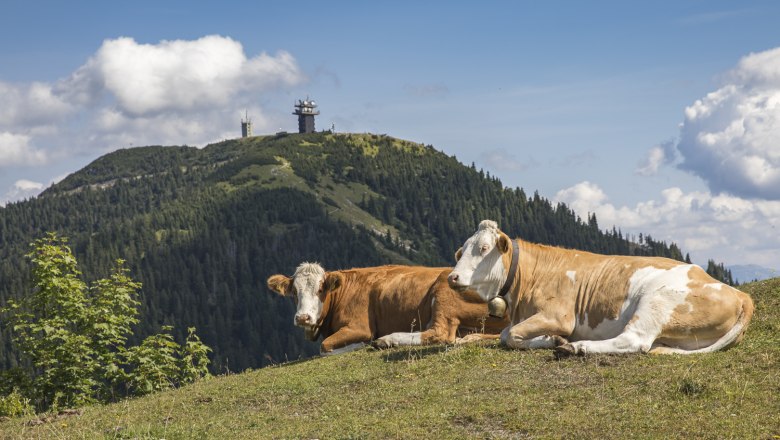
x,y
443,331
343,337
538,331
398,339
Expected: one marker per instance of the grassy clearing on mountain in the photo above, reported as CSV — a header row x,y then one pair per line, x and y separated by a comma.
x,y
480,391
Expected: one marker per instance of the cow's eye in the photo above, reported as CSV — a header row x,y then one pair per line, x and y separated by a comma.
x,y
484,248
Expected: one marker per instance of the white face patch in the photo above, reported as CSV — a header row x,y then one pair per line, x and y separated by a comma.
x,y
480,267
307,280
572,274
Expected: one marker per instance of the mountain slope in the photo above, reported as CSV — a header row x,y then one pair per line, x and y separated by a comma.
x,y
752,272
202,229
467,392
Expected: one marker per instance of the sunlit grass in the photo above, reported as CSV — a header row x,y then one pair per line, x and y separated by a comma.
x,y
480,391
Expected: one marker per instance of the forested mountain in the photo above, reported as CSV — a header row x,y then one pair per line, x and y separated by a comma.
x,y
202,229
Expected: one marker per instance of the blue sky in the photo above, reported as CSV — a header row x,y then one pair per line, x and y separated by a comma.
x,y
657,116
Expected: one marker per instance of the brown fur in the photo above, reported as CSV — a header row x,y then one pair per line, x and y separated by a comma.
x,y
360,305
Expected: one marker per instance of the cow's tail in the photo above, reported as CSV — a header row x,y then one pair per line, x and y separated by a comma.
x,y
731,338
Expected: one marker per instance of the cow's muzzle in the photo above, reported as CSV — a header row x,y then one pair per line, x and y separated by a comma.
x,y
304,320
454,281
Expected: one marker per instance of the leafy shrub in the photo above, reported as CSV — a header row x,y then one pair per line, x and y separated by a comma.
x,y
74,336
14,404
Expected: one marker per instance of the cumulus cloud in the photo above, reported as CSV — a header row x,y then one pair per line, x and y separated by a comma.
x,y
128,93
724,227
177,75
15,149
731,137
30,105
21,189
662,154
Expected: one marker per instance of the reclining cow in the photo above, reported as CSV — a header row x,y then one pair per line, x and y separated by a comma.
x,y
602,304
351,307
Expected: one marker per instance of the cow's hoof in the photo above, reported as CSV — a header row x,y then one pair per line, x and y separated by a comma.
x,y
559,340
565,350
381,343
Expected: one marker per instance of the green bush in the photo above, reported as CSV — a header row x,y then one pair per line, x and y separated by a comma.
x,y
73,337
14,404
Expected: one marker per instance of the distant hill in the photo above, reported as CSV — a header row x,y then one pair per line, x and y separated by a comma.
x,y
752,272
461,392
202,229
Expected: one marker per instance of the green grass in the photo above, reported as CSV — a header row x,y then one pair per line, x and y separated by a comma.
x,y
466,392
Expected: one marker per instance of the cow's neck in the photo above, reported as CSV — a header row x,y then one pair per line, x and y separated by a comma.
x,y
533,258
326,315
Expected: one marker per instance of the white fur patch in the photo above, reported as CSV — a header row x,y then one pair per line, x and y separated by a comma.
x,y
572,274
654,293
481,267
659,291
716,286
401,339
306,281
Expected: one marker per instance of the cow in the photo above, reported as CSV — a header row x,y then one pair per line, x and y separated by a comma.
x,y
351,307
579,302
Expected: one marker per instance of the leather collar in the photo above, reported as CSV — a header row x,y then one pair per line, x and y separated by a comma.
x,y
510,279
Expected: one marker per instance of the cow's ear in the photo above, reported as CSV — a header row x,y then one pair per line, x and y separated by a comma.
x,y
458,254
279,284
333,281
504,243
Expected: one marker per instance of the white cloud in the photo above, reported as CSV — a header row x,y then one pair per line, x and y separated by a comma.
x,y
731,137
30,105
724,227
661,154
15,149
173,92
177,75
21,189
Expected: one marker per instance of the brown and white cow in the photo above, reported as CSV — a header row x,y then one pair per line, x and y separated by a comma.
x,y
356,306
602,304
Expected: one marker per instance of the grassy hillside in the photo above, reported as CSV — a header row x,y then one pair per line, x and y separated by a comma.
x,y
473,391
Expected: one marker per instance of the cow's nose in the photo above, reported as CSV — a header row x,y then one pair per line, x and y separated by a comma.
x,y
453,279
302,319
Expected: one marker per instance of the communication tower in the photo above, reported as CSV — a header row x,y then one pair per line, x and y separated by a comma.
x,y
306,110
246,126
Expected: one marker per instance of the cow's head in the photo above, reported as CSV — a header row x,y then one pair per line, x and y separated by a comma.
x,y
483,261
309,287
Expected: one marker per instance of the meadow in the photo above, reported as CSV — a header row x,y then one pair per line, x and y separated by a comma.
x,y
476,391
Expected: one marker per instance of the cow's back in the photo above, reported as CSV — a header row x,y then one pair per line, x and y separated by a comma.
x,y
396,298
